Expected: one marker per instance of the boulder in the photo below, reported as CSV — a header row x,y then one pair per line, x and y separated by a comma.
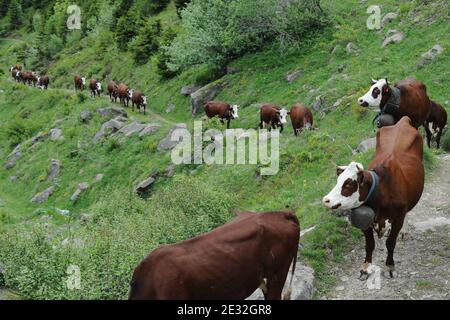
x,y
170,108
108,128
167,144
85,116
205,94
43,196
149,129
54,169
132,128
56,134
170,171
145,185
112,112
318,103
13,179
188,90
351,48
388,18
294,75
430,55
394,38
12,159
302,285
366,145
82,187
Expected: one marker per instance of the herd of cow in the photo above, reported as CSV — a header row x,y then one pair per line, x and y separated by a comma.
x,y
29,77
257,249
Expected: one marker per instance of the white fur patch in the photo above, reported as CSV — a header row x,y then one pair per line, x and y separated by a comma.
x,y
99,86
234,112
144,100
83,80
368,97
130,93
283,116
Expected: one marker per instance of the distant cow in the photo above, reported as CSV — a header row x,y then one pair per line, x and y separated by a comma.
x,y
392,186
301,118
222,110
407,98
42,82
124,94
138,99
273,116
112,91
435,123
80,83
14,72
229,263
96,87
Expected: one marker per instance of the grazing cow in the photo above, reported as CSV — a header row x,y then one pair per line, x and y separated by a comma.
x,y
273,116
16,67
229,263
138,99
27,77
222,110
42,82
80,83
124,94
112,91
96,87
392,186
15,74
435,123
301,118
407,98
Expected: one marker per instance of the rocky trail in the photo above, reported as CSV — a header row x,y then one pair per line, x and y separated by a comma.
x,y
422,257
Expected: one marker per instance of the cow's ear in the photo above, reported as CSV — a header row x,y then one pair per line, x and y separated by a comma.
x,y
360,177
340,169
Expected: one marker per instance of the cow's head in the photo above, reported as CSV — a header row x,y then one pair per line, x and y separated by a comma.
x,y
282,115
234,111
346,193
374,96
130,93
144,101
83,81
99,86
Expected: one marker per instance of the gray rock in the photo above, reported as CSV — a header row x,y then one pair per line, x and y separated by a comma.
x,y
150,129
351,48
132,128
108,128
99,177
170,171
13,178
12,159
188,90
318,103
395,38
205,94
430,55
85,116
170,108
63,212
82,187
366,145
294,75
112,112
43,196
167,144
145,185
56,134
302,285
39,137
54,169
337,103
388,18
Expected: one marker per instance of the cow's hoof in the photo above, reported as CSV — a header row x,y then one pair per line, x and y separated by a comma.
x,y
390,272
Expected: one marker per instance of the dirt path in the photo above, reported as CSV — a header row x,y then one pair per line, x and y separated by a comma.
x,y
422,258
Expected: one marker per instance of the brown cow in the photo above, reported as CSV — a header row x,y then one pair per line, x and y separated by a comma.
x,y
15,70
273,116
436,123
301,118
124,94
112,91
26,77
80,83
230,262
138,99
392,186
96,87
407,98
42,82
222,110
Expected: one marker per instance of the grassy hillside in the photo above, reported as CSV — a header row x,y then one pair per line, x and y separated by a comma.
x,y
110,229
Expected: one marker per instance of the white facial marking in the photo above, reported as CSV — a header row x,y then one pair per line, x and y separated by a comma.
x,y
130,93
83,80
375,90
283,116
335,199
234,112
144,100
99,86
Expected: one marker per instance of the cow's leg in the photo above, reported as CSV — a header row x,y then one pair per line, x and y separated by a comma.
x,y
274,289
282,128
429,134
261,125
405,229
438,138
228,123
390,245
370,246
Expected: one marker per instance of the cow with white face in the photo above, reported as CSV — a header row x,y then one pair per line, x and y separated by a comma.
x,y
234,111
346,194
273,116
374,96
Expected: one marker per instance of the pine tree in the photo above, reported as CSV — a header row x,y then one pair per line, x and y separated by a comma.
x,y
126,30
4,6
15,14
146,42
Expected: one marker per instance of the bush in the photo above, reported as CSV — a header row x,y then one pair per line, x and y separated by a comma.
x,y
146,42
446,142
55,45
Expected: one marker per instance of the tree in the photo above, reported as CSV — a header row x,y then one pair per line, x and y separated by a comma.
x,y
15,14
127,28
163,58
146,42
4,6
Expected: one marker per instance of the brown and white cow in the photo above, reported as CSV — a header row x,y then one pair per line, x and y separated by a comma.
x,y
124,94
112,91
96,87
392,186
229,263
80,83
224,111
138,99
301,118
15,70
43,82
406,98
273,116
435,123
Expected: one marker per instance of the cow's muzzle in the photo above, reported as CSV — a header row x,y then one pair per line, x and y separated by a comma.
x,y
363,103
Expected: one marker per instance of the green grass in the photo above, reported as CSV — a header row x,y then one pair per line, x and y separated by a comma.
x,y
125,228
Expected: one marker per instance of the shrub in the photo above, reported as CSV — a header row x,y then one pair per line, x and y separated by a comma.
x,y
446,142
146,42
55,45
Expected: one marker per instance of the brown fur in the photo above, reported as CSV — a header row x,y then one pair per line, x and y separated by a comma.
x,y
438,117
222,110
78,83
269,115
122,93
112,91
300,117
